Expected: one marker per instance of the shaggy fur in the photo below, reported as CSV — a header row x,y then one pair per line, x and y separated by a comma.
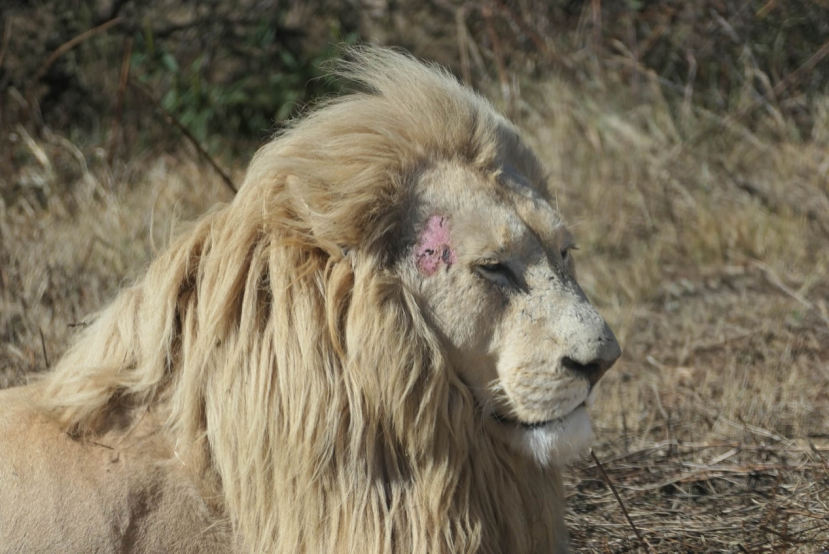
x,y
284,376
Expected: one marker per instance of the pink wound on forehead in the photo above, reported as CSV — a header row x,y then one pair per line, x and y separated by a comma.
x,y
433,246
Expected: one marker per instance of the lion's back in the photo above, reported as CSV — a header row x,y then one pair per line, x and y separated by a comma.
x,y
59,494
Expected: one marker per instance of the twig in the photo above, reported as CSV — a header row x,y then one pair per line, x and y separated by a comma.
x,y
766,9
597,25
807,66
133,428
499,60
463,48
714,345
633,50
688,93
43,346
119,102
539,42
785,536
657,33
625,439
186,132
771,508
67,46
815,210
740,446
773,279
7,35
809,515
102,445
645,544
820,457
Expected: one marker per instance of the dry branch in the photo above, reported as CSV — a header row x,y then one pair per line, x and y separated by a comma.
x,y
463,46
657,33
7,35
186,132
557,59
119,103
69,45
596,11
497,52
645,544
798,73
775,280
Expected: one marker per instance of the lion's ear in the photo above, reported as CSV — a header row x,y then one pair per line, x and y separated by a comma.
x,y
320,213
351,214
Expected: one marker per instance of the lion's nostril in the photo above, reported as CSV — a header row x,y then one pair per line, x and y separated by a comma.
x,y
593,370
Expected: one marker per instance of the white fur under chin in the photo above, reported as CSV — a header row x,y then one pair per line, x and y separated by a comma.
x,y
557,443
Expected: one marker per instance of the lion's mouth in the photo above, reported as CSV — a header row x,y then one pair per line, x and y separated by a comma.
x,y
531,425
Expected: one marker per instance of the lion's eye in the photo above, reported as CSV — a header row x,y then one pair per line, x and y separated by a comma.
x,y
565,252
498,273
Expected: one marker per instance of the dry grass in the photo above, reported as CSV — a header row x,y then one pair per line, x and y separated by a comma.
x,y
711,263
72,234
709,260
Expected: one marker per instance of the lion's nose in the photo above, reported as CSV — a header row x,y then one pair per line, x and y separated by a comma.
x,y
592,370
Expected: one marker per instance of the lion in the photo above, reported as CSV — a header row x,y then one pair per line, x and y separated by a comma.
x,y
378,346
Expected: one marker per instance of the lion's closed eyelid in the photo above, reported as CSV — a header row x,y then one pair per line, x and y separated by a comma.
x,y
566,249
494,266
492,260
498,271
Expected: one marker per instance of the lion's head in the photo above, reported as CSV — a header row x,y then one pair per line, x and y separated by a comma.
x,y
380,343
494,271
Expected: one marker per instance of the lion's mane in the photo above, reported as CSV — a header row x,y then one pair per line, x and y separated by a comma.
x,y
297,376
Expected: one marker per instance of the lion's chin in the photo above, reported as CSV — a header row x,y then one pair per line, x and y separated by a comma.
x,y
556,442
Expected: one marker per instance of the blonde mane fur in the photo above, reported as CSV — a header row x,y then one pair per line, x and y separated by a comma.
x,y
302,386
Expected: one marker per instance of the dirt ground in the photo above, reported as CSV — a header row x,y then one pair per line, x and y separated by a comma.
x,y
708,257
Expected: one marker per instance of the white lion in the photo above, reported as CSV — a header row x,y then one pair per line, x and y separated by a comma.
x,y
378,346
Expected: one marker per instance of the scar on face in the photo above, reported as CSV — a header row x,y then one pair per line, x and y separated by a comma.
x,y
433,247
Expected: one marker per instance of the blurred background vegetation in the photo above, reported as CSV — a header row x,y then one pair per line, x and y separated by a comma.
x,y
230,72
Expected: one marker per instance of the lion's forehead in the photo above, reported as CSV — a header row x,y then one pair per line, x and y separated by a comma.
x,y
502,212
530,206
542,220
532,227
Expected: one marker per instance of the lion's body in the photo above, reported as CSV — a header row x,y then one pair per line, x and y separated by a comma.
x,y
314,367
58,494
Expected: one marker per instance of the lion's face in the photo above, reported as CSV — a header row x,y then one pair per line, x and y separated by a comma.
x,y
493,266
